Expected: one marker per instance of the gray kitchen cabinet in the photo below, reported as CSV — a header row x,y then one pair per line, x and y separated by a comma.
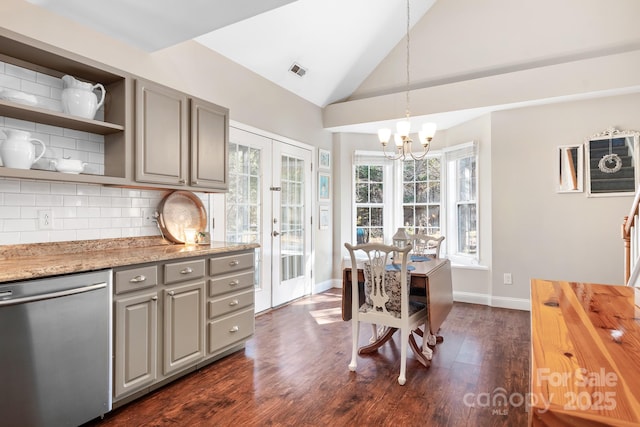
x,y
135,344
181,141
230,307
183,326
173,316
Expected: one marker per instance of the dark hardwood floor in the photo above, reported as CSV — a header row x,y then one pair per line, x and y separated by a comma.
x,y
294,373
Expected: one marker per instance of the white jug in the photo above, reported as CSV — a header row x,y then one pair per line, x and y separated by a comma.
x,y
78,98
18,151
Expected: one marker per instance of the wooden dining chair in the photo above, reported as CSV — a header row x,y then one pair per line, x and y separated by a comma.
x,y
386,299
426,245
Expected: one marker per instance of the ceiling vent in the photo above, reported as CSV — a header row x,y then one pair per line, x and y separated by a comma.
x,y
297,70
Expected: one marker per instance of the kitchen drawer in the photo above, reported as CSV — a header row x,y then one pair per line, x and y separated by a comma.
x,y
228,330
232,282
184,270
227,264
227,304
136,278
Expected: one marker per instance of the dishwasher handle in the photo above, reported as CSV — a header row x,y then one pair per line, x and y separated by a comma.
x,y
41,297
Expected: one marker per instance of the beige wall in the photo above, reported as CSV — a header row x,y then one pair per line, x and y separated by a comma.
x,y
526,227
193,69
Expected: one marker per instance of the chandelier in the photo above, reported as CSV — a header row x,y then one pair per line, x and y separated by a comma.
x,y
402,140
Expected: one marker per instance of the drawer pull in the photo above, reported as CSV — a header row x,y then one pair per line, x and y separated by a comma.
x,y
139,278
234,283
171,293
233,302
234,263
154,298
187,270
234,329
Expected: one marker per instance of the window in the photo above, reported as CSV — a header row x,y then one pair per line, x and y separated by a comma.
x,y
437,195
421,197
369,203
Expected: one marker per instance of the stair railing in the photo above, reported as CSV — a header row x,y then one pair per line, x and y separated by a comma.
x,y
631,237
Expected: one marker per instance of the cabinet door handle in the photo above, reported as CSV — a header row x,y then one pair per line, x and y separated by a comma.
x,y
139,278
234,263
171,293
234,283
154,298
183,181
234,329
233,302
187,270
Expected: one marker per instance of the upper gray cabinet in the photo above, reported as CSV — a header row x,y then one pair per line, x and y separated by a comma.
x,y
181,141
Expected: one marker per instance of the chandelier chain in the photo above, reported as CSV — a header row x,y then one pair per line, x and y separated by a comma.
x,y
407,112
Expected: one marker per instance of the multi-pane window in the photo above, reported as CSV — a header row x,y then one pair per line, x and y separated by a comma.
x,y
244,196
436,196
466,205
421,195
369,203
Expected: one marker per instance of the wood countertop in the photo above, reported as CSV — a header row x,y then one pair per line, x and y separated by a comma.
x,y
30,261
585,359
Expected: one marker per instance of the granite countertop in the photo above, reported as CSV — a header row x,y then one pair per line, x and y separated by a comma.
x,y
31,261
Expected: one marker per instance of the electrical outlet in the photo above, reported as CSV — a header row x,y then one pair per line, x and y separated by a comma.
x,y
45,220
507,279
148,218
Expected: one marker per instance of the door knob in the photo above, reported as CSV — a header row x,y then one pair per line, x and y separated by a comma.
x,y
275,233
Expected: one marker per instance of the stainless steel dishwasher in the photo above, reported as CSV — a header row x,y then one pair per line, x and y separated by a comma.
x,y
55,350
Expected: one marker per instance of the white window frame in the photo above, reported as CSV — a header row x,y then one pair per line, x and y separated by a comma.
x,y
393,217
450,156
374,158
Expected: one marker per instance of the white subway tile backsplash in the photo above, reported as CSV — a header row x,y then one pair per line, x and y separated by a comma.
x,y
99,201
19,72
34,186
9,185
10,212
13,199
80,211
63,188
11,238
48,200
75,223
76,201
111,191
88,190
19,225
9,82
48,80
110,212
35,88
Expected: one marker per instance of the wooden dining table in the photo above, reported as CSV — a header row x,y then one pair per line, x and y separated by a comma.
x,y
585,354
430,283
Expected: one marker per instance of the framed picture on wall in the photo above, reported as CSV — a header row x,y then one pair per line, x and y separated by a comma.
x,y
324,217
570,164
324,159
324,186
613,162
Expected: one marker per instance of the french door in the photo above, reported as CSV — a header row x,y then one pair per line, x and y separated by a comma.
x,y
269,203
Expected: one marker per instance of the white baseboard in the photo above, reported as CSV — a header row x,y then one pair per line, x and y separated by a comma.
x,y
492,301
471,298
512,303
326,285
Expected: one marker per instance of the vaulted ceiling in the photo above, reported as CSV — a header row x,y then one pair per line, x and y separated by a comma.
x,y
341,45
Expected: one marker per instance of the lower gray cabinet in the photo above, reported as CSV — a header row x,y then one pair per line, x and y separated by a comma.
x,y
135,342
171,316
183,327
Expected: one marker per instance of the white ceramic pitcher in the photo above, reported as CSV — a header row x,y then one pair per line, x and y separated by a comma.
x,y
78,98
18,151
